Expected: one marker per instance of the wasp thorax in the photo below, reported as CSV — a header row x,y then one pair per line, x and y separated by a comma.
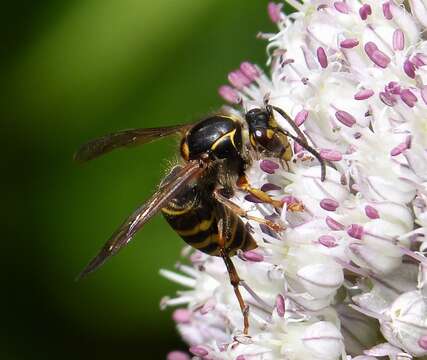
x,y
218,136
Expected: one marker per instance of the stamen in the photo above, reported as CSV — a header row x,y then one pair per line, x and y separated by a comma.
x,y
270,187
280,305
229,94
333,224
294,3
408,97
399,149
364,11
377,56
268,166
301,117
177,355
330,155
393,87
182,316
398,40
196,257
409,69
321,57
355,231
387,11
341,7
250,70
238,79
298,148
422,342
371,212
167,301
274,11
329,204
198,350
419,60
387,98
349,43
178,278
253,256
363,94
327,241
345,118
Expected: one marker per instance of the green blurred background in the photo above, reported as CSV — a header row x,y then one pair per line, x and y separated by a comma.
x,y
71,71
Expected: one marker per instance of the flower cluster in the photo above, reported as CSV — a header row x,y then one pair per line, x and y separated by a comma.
x,y
347,278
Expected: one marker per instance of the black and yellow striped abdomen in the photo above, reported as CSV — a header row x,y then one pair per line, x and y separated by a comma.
x,y
195,216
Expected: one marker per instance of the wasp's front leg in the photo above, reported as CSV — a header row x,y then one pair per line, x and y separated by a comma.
x,y
243,213
243,184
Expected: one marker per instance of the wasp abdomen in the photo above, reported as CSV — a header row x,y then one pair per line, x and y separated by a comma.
x,y
195,218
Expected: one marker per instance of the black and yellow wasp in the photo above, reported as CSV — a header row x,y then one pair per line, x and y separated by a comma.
x,y
195,196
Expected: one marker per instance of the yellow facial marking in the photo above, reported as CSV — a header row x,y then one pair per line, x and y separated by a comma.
x,y
272,123
252,139
269,133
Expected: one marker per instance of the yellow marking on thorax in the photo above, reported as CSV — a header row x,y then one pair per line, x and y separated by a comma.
x,y
229,134
185,151
202,226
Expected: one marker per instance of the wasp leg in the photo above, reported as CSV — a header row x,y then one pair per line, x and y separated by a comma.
x,y
235,281
244,185
243,213
284,163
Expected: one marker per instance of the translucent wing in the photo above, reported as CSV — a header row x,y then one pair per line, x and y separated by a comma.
x,y
140,216
131,137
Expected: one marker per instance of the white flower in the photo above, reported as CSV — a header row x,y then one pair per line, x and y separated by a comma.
x,y
350,263
406,323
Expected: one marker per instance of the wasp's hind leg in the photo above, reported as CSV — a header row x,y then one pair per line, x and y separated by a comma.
x,y
236,209
232,273
235,281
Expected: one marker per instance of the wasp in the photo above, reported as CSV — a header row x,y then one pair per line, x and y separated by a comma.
x,y
195,196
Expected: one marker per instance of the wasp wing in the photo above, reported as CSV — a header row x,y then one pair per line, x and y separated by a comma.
x,y
131,137
123,235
